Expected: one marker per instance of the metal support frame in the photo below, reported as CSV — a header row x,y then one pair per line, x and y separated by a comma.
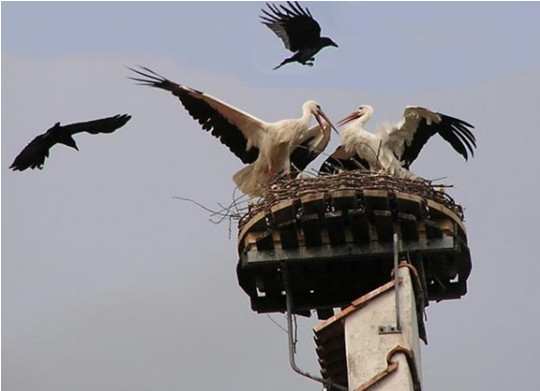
x,y
396,278
397,328
288,296
352,251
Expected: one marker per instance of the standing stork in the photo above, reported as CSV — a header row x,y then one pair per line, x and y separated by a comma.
x,y
269,148
300,33
393,149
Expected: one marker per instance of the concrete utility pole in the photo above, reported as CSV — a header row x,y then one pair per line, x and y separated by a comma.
x,y
334,242
379,355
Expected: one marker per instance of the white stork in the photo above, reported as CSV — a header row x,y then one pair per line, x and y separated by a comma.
x,y
394,148
268,148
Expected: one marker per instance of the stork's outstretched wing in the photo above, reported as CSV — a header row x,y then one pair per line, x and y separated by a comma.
x,y
418,125
239,131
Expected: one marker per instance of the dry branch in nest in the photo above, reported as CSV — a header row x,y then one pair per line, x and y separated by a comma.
x,y
293,188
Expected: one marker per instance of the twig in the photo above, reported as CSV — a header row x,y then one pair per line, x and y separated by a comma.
x,y
284,188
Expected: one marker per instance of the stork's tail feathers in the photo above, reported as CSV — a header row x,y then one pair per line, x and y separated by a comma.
x,y
251,180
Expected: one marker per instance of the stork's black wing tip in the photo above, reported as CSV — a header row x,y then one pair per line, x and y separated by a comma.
x,y
150,77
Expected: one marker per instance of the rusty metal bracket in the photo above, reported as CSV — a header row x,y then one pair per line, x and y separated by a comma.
x,y
409,354
392,367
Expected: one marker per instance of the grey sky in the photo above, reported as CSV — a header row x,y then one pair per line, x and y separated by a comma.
x,y
108,282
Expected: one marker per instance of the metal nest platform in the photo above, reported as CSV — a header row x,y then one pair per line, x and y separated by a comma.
x,y
332,236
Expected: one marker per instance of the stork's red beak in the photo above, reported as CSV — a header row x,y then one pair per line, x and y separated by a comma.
x,y
318,118
354,115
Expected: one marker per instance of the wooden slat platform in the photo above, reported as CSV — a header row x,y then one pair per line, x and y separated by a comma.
x,y
337,245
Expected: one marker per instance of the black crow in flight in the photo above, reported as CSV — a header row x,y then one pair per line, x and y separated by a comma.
x,y
34,154
298,30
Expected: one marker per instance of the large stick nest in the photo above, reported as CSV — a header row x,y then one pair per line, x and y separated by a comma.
x,y
293,188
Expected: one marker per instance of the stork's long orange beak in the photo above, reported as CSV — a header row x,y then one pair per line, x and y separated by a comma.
x,y
318,118
354,115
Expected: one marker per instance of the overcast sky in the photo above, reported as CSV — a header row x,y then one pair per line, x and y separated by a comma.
x,y
110,283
